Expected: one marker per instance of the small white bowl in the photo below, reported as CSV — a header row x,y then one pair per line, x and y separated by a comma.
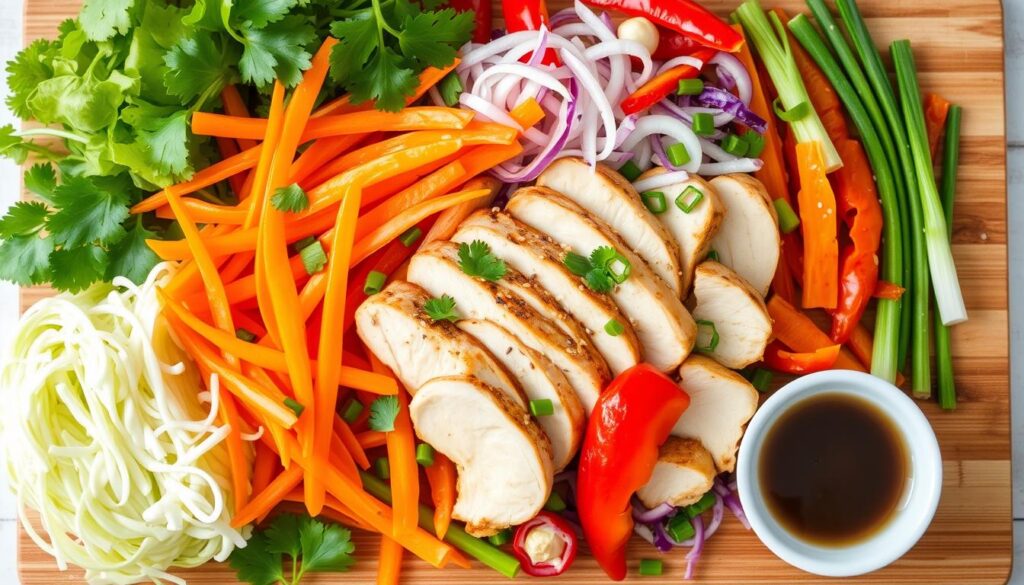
x,y
914,512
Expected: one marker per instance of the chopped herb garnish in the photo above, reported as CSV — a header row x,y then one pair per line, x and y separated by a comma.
x,y
424,455
476,259
761,380
291,199
313,257
707,335
605,268
613,328
374,282
555,503
383,467
353,408
689,199
311,546
630,171
654,201
295,406
442,309
383,412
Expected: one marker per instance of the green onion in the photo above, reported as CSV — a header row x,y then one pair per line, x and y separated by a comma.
x,y
374,282
477,548
794,114
618,267
690,87
755,143
677,154
424,455
680,528
383,468
352,411
788,220
451,88
689,199
295,406
651,567
703,124
303,243
542,407
630,171
245,335
702,505
713,255
773,47
761,380
613,328
410,236
500,538
555,503
943,347
313,258
734,145
654,201
707,330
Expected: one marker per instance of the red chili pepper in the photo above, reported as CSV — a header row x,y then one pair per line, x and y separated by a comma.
x,y
778,358
482,9
664,84
683,16
523,15
859,209
673,44
560,529
888,291
631,420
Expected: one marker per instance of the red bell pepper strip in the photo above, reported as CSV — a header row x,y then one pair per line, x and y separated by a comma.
x,y
561,530
663,84
523,15
483,16
889,291
673,44
631,420
778,358
683,16
859,209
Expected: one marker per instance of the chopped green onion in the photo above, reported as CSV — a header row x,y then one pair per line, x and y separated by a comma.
x,y
304,243
451,88
374,282
654,201
713,255
761,380
680,528
313,258
690,87
755,143
788,220
542,407
794,114
677,154
352,411
735,145
383,467
295,406
689,199
245,335
630,171
424,455
410,236
500,538
703,124
555,503
613,328
702,505
707,332
651,567
619,268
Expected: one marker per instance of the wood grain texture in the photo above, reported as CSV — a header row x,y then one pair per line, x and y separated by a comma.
x,y
959,47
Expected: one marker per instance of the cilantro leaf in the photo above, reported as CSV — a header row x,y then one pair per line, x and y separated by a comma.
x,y
357,39
102,19
27,70
165,138
260,13
41,179
277,51
602,255
476,259
387,82
291,199
25,260
383,412
578,265
311,545
282,536
74,269
442,309
85,104
196,64
12,146
599,281
256,564
325,547
24,218
131,257
87,212
435,37
601,271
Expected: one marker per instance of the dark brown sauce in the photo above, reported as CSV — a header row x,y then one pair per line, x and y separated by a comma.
x,y
833,469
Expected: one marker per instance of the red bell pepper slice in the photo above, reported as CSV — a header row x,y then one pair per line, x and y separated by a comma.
x,y
673,44
561,530
523,15
778,358
683,16
482,11
631,420
663,84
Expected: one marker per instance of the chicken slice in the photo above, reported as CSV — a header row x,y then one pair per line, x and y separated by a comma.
x,y
435,267
541,380
737,311
693,231
748,240
394,327
608,196
502,456
721,404
684,472
538,257
666,330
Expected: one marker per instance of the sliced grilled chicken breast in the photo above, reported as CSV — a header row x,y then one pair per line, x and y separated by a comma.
x,y
665,329
738,312
693,231
684,472
435,267
748,240
608,196
538,257
394,327
541,380
502,456
721,404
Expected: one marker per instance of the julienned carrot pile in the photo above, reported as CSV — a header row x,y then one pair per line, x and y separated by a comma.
x,y
266,288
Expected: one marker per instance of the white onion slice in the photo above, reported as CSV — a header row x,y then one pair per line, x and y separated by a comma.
x,y
716,152
740,165
661,181
671,127
681,60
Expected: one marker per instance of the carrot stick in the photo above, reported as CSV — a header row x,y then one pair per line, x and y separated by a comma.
x,y
264,468
235,106
450,219
264,168
229,148
320,152
434,184
236,451
265,501
861,343
374,194
819,227
371,439
408,119
333,510
341,458
351,442
405,479
390,566
429,77
211,175
936,108
797,331
442,478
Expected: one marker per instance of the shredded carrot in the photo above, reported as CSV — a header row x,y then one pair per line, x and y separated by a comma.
x,y
818,223
234,106
434,184
333,510
263,502
320,152
442,476
430,77
264,467
264,168
211,175
405,478
341,458
797,331
450,219
371,439
390,566
351,441
236,452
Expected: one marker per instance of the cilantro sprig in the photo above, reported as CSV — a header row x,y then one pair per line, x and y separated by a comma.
x,y
605,268
310,545
476,259
442,309
383,412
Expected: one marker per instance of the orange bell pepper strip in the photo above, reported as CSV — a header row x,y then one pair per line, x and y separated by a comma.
x,y
442,477
389,568
779,359
818,224
406,120
936,108
798,332
862,344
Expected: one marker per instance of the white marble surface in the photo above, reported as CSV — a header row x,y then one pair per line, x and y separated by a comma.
x,y
11,41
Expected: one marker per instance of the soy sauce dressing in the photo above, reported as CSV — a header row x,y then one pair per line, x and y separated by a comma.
x,y
833,469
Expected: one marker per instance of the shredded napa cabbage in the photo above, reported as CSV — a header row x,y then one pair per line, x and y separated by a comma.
x,y
106,433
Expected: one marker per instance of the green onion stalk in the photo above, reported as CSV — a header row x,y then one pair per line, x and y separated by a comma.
x,y
887,327
947,190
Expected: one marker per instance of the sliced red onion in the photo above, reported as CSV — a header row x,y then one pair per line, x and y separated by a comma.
x,y
626,127
656,514
574,29
596,94
563,16
731,66
719,98
662,541
481,53
435,97
524,173
661,181
693,556
620,47
732,502
740,165
671,127
725,79
540,48
607,20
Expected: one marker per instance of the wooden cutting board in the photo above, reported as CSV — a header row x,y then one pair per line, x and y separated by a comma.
x,y
959,48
